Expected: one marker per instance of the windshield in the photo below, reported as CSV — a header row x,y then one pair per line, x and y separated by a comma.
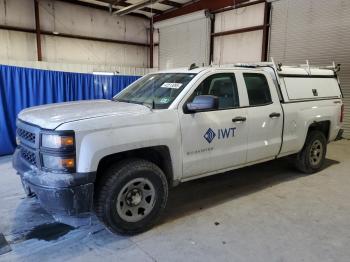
x,y
157,91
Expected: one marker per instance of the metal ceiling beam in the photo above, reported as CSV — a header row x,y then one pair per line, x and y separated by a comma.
x,y
240,5
164,2
99,7
123,3
142,6
194,6
171,3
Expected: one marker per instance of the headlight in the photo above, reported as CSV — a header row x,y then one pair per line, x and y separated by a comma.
x,y
58,163
57,141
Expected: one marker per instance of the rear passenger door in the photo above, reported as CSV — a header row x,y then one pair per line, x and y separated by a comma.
x,y
264,117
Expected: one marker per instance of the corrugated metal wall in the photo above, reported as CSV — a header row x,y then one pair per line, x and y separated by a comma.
x,y
61,17
242,47
179,46
317,30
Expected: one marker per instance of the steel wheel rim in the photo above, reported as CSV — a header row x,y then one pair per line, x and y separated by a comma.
x,y
316,152
136,200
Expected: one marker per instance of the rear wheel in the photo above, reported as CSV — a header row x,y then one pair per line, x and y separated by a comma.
x,y
132,196
312,157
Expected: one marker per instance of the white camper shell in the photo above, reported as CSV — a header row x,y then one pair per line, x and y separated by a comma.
x,y
303,82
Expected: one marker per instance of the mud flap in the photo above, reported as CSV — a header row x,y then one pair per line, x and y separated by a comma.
x,y
4,245
340,135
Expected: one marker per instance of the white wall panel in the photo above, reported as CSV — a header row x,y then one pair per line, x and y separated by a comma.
x,y
60,50
17,13
242,47
17,45
245,47
240,18
62,17
184,40
156,57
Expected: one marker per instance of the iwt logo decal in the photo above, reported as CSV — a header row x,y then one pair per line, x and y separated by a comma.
x,y
222,133
209,135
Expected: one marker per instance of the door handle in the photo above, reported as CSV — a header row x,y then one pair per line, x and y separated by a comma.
x,y
239,119
274,115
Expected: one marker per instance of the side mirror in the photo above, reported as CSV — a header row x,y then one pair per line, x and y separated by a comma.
x,y
203,103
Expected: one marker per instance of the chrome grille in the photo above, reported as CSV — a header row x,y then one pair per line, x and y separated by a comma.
x,y
26,135
28,156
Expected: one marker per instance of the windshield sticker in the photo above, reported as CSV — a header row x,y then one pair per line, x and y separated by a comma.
x,y
172,85
164,100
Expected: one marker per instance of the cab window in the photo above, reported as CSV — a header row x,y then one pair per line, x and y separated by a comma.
x,y
223,86
258,89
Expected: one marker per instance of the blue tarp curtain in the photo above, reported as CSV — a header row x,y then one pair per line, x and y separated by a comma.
x,y
25,87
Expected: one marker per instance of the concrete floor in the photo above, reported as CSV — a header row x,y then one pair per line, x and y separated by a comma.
x,y
268,212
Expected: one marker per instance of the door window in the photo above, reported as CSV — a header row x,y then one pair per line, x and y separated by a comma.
x,y
258,89
223,86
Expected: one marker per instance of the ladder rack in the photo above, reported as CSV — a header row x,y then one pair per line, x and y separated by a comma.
x,y
278,67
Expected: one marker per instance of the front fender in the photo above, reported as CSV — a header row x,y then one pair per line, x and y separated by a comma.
x,y
98,138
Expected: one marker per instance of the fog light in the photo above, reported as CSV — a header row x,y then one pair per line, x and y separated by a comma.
x,y
58,163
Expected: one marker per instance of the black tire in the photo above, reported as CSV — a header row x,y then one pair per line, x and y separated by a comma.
x,y
304,161
109,190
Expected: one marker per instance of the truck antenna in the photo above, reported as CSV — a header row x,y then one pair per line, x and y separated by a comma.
x,y
308,67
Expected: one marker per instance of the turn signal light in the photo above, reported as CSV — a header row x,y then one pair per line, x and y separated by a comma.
x,y
67,141
57,141
68,163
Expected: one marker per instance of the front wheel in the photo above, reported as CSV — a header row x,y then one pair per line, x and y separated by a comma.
x,y
312,157
132,196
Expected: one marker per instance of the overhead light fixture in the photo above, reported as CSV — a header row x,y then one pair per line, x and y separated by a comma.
x,y
105,73
55,33
135,7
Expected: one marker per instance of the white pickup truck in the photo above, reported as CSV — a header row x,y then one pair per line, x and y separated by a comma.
x,y
119,157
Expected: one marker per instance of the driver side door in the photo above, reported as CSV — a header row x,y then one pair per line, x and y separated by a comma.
x,y
214,140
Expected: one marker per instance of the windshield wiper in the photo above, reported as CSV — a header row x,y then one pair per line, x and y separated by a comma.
x,y
147,105
150,106
122,100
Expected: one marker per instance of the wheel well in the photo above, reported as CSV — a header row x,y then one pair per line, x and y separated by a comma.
x,y
159,155
322,126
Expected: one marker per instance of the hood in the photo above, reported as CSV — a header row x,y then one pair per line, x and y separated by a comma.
x,y
53,115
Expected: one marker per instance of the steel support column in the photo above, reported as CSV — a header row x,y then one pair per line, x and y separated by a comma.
x,y
37,29
151,44
212,31
266,28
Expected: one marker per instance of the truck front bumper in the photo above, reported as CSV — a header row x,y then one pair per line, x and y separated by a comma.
x,y
68,197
